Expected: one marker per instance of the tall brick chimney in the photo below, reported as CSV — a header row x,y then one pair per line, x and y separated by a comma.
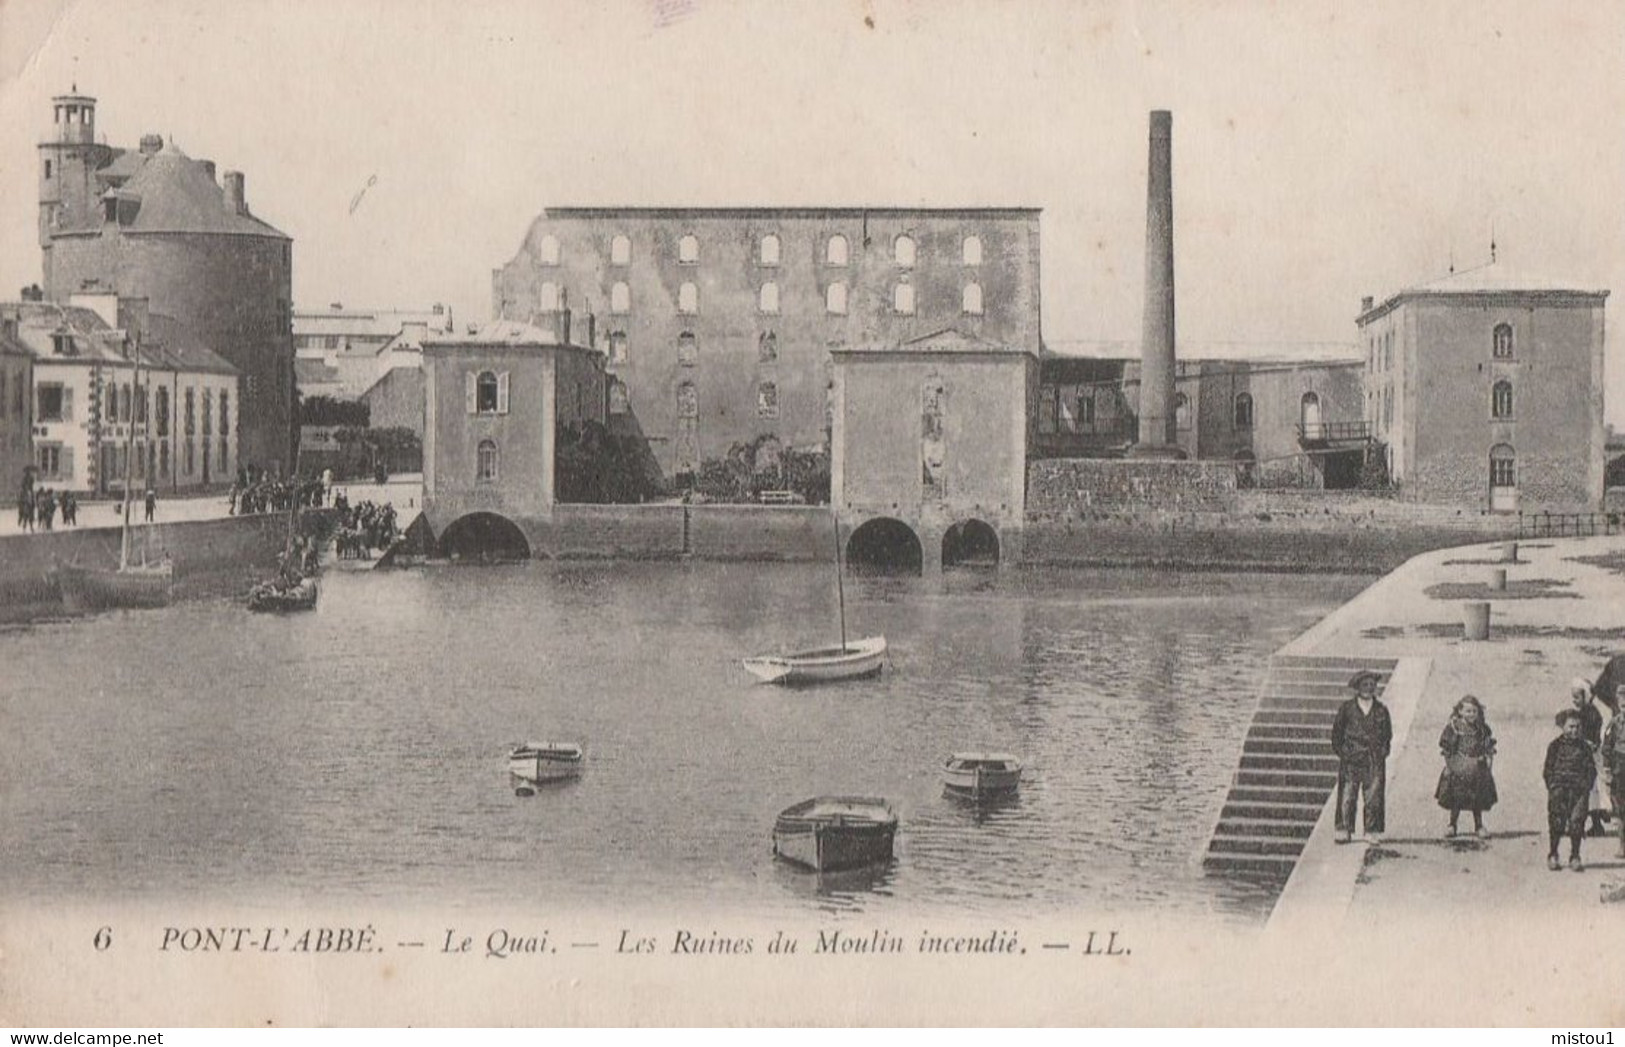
x,y
1157,419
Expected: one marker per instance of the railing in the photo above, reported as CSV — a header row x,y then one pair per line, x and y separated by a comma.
x,y
1568,525
1333,432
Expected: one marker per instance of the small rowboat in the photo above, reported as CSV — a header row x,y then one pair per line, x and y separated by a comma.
x,y
836,832
267,597
856,659
536,762
981,774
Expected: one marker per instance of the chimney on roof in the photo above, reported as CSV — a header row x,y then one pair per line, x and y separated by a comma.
x,y
234,192
151,143
208,168
1366,303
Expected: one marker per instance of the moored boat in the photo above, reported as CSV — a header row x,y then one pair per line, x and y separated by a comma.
x,y
269,597
852,660
836,832
545,761
981,774
133,585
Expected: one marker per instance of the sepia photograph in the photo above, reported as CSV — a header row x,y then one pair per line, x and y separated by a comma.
x,y
855,513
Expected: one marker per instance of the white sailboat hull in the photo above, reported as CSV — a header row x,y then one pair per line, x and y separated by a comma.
x,y
858,658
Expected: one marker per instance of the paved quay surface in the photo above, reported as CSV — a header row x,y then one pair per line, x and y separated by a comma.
x,y
1520,943
406,492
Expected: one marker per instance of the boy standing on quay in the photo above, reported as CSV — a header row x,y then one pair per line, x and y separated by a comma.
x,y
1570,772
1361,736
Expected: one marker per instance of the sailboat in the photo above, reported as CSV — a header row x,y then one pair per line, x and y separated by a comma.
x,y
851,660
132,584
290,590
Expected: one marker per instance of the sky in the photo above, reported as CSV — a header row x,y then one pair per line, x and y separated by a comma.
x,y
1322,151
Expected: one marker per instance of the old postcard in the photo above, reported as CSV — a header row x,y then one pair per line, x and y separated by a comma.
x,y
679,512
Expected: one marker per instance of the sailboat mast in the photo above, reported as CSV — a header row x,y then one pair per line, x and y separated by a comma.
x,y
129,461
840,582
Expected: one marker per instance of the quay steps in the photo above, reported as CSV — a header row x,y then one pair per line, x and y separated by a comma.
x,y
1286,771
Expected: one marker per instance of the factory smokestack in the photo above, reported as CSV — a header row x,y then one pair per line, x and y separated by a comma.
x,y
1157,434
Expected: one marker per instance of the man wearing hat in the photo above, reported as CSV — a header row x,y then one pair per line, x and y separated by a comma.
x,y
1361,736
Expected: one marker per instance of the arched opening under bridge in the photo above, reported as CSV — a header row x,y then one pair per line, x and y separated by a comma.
x,y
484,538
970,543
885,544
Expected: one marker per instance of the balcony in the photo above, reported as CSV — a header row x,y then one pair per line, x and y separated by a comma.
x,y
1333,436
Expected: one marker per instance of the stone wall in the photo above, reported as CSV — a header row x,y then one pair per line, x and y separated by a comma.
x,y
206,553
1081,485
620,532
761,532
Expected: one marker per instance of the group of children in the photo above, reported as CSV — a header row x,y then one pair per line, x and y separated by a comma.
x,y
1571,771
1575,761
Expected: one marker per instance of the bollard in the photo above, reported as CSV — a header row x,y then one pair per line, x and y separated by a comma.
x,y
1476,621
1509,553
1498,579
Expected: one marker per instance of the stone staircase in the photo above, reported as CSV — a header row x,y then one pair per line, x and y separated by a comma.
x,y
1287,770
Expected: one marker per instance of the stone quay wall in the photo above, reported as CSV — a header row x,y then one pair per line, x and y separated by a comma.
x,y
206,553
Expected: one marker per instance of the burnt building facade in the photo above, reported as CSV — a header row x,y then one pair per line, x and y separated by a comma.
x,y
718,324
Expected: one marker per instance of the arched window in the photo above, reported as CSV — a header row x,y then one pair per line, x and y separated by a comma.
x,y
835,250
688,349
1309,416
769,298
549,298
769,253
617,398
972,252
1244,410
902,299
688,299
767,347
486,468
620,251
620,298
835,299
971,300
548,250
1182,411
1501,399
485,392
617,347
1503,467
688,249
903,250
688,402
1503,341
767,400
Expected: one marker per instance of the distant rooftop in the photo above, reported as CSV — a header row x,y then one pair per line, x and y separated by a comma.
x,y
800,211
1257,352
1497,277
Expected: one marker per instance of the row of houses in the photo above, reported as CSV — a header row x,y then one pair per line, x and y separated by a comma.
x,y
101,389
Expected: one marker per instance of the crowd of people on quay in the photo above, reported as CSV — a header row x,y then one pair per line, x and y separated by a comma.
x,y
1581,756
37,509
363,527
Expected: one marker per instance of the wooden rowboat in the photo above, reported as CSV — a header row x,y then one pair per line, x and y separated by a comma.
x,y
836,832
536,762
300,597
856,659
981,774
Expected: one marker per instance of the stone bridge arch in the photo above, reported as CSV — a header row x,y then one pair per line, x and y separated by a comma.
x,y
885,543
970,543
482,538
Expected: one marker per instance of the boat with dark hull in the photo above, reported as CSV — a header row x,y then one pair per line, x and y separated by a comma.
x,y
828,833
267,597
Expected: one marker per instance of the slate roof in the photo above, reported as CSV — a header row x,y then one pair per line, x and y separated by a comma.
x,y
167,346
178,196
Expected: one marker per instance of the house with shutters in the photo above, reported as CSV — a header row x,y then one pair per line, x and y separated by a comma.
x,y
494,402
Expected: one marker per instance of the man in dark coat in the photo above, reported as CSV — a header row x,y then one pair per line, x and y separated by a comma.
x,y
1362,734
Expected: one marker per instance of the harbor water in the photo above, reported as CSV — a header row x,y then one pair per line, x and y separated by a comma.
x,y
358,752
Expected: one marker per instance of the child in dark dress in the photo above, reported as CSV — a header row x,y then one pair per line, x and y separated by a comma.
x,y
1570,771
1467,783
